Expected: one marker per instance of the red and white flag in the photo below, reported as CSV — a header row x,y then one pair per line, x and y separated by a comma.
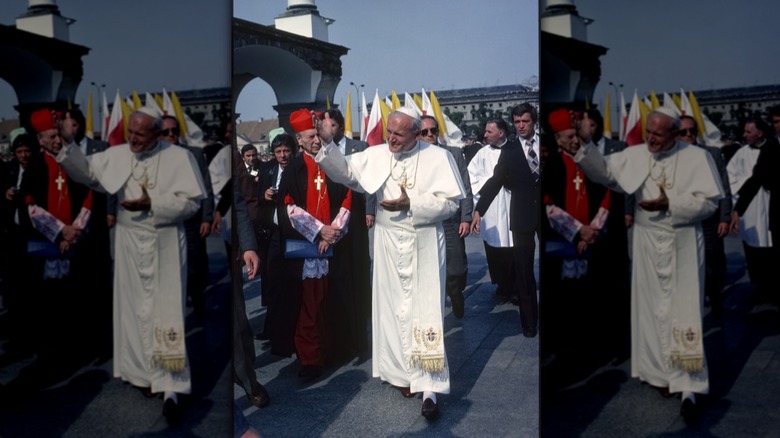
x,y
115,133
364,122
634,123
168,109
623,118
685,105
427,107
374,127
106,118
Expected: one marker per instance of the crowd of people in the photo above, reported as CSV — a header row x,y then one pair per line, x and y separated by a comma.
x,y
329,295
102,246
651,218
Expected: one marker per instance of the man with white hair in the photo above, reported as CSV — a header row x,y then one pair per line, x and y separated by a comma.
x,y
676,187
409,252
158,186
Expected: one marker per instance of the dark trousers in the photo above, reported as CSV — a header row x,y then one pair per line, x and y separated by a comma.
x,y
500,261
759,266
525,282
457,266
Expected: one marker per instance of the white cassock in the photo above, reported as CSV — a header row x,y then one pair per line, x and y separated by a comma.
x,y
754,223
668,257
150,270
409,256
494,225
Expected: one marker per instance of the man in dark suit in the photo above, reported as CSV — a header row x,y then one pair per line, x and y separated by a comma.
x,y
244,354
611,258
197,227
283,146
715,227
765,175
514,172
15,268
355,330
97,243
457,227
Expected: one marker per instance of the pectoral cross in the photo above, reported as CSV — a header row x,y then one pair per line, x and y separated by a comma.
x,y
577,181
59,182
319,182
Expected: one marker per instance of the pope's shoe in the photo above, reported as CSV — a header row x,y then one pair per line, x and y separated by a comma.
x,y
430,410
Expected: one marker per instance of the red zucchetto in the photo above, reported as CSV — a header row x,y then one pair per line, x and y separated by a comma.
x,y
43,120
560,120
301,120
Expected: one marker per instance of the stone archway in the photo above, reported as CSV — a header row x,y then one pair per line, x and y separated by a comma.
x,y
302,71
45,72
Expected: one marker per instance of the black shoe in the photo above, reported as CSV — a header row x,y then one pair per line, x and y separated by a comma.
x,y
260,398
458,303
430,410
529,333
309,373
689,410
172,411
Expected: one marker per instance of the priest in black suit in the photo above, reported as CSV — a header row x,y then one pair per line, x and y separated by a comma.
x,y
355,328
514,172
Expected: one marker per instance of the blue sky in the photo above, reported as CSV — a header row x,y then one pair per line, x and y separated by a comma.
x,y
406,45
666,45
141,45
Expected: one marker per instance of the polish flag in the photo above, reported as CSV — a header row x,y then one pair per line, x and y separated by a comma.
x,y
364,123
623,118
106,118
634,123
427,107
115,133
685,105
374,127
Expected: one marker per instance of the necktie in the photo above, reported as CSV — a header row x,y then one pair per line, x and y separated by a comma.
x,y
533,162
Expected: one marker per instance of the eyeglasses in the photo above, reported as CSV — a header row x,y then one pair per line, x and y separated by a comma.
x,y
433,131
689,131
170,131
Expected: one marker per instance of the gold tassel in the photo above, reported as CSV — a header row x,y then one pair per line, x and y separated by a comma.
x,y
689,365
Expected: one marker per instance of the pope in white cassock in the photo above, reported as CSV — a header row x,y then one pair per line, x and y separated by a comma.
x,y
158,187
417,187
676,187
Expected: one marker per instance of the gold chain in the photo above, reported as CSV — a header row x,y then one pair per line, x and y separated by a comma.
x,y
661,177
402,177
144,177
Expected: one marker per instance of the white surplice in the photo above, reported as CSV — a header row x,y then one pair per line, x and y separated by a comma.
x,y
754,223
409,255
668,257
494,225
150,270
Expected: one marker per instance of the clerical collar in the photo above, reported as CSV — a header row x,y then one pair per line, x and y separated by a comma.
x,y
146,154
667,153
499,146
757,146
404,154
